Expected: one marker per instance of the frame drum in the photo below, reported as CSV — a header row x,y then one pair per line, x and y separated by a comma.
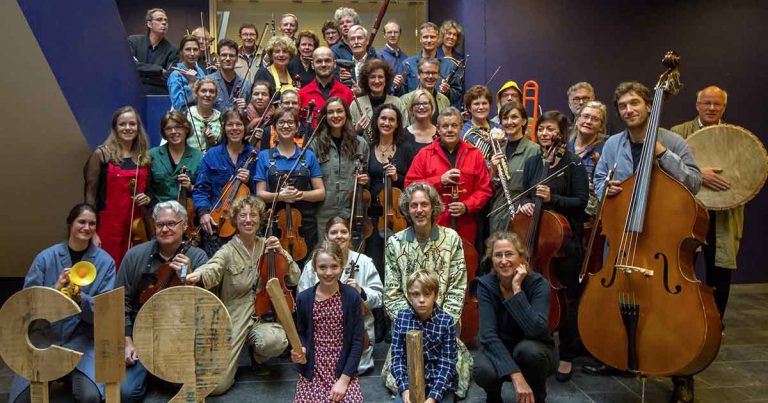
x,y
742,158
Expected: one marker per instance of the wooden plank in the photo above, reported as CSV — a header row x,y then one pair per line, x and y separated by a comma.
x,y
283,313
109,341
18,353
414,349
38,392
183,335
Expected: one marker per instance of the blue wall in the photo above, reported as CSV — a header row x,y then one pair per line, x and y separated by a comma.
x,y
85,45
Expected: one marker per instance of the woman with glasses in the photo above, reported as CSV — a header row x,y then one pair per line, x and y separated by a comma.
x,y
567,195
220,164
342,154
422,131
303,188
169,159
588,143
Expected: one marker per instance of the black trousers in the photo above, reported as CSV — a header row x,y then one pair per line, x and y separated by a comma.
x,y
536,361
717,277
567,270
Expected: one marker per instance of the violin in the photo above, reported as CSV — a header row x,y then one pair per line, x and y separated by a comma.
x,y
470,314
545,233
289,221
308,115
233,190
142,228
392,221
264,121
655,318
166,276
351,270
361,226
186,201
272,265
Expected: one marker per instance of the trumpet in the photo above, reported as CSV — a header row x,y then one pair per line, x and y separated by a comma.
x,y
502,168
81,274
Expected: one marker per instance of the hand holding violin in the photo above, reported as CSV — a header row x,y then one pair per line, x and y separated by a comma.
x,y
243,175
178,261
207,222
185,181
141,199
272,243
391,171
290,194
363,179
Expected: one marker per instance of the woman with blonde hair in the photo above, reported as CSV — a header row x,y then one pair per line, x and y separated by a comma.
x,y
116,177
280,51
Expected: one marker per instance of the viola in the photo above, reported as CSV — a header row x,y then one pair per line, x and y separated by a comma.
x,y
545,234
142,228
645,311
360,199
272,265
470,315
289,221
166,276
232,190
392,220
186,201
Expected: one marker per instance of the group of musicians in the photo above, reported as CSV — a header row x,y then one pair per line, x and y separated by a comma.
x,y
280,164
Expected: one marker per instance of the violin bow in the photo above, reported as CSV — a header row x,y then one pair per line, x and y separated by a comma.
x,y
133,197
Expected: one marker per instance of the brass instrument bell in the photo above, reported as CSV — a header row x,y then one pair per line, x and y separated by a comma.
x,y
81,274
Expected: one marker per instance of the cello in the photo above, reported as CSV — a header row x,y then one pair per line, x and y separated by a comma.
x,y
645,311
470,314
186,201
545,234
392,220
233,190
275,265
360,199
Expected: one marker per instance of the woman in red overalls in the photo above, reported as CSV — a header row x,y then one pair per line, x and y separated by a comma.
x,y
122,159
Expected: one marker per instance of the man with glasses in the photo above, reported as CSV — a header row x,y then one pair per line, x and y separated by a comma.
x,y
138,271
232,90
324,85
452,165
247,65
428,37
207,59
429,74
724,226
357,38
153,54
391,52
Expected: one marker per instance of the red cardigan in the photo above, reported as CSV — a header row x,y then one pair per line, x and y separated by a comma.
x,y
312,91
474,184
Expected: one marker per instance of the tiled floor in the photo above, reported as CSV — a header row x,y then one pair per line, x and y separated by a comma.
x,y
739,374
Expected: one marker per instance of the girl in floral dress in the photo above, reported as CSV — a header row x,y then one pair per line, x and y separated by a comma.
x,y
330,326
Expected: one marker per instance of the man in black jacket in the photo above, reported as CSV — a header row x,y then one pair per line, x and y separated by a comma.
x,y
153,54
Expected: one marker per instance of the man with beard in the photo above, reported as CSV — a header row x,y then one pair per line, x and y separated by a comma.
x,y
324,85
153,54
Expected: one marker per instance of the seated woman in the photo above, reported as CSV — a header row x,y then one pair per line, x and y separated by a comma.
x,y
376,77
206,124
51,269
234,269
304,187
222,163
122,159
330,326
514,311
422,132
181,81
359,272
280,51
169,159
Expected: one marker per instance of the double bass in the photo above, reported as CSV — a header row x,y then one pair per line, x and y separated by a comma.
x,y
234,189
545,233
645,311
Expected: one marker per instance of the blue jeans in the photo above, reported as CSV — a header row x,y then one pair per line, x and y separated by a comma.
x,y
134,387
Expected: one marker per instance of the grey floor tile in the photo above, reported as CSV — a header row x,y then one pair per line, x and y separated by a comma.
x,y
728,374
720,395
614,397
743,353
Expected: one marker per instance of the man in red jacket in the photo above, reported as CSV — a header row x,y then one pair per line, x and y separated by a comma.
x,y
454,166
324,85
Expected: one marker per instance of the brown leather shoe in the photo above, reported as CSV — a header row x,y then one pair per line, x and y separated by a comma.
x,y
683,392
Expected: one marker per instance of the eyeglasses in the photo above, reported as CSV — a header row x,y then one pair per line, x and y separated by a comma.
x,y
168,224
592,118
580,99
502,255
429,73
285,123
547,130
421,105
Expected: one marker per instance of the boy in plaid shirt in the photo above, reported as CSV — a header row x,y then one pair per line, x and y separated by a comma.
x,y
438,335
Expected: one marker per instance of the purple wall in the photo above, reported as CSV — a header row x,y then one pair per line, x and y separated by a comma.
x,y
605,42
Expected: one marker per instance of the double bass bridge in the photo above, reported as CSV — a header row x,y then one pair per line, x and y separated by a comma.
x,y
634,269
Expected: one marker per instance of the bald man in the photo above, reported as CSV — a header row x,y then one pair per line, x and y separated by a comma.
x,y
725,227
324,85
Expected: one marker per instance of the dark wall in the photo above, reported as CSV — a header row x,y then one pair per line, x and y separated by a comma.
x,y
605,42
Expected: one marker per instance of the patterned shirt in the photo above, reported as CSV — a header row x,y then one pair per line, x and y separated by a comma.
x,y
439,347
